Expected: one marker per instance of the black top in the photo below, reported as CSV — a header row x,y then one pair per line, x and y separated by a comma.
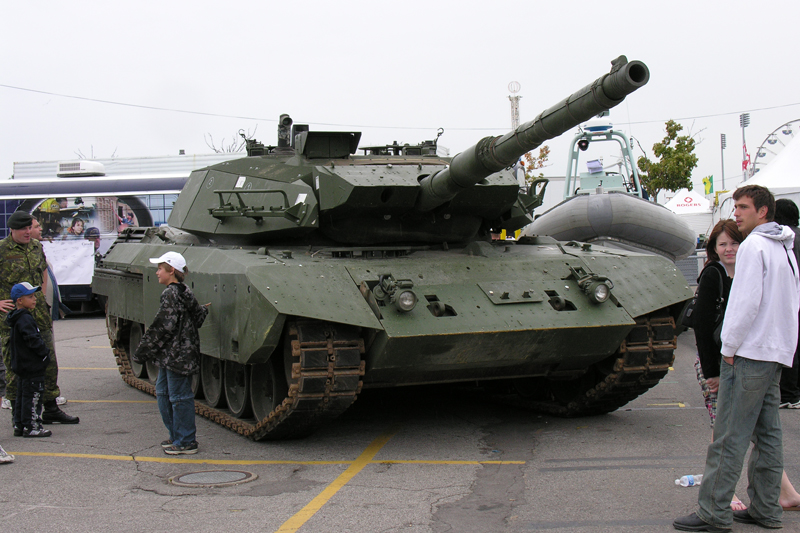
x,y
796,242
29,353
706,313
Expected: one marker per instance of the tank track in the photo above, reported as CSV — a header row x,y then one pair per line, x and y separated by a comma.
x,y
643,358
326,373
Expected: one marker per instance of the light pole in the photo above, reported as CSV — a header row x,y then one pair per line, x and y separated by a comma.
x,y
514,88
722,157
744,121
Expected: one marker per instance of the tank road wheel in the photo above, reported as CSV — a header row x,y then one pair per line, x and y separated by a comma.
x,y
315,379
133,342
211,371
237,389
152,372
197,386
268,387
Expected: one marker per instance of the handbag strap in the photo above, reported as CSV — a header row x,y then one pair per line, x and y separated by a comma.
x,y
721,298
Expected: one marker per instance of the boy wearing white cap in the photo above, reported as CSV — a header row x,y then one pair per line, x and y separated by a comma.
x,y
172,343
29,358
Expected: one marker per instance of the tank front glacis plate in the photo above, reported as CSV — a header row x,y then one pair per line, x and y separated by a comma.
x,y
479,336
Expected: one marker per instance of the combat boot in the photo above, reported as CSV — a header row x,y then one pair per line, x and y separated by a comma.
x,y
53,414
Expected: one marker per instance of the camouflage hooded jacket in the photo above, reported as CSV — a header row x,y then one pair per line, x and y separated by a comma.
x,y
172,340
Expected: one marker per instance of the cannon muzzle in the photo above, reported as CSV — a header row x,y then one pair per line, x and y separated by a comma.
x,y
492,154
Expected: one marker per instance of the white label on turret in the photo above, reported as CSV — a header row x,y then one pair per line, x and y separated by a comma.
x,y
316,181
300,198
240,182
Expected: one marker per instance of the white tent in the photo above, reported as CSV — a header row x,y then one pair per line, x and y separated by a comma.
x,y
688,202
781,176
694,209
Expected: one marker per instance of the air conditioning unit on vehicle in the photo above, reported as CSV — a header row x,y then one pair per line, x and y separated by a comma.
x,y
68,169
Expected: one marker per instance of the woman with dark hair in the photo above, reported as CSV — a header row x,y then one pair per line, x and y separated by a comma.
x,y
721,248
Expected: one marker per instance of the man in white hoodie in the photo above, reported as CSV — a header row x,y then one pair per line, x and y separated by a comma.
x,y
759,336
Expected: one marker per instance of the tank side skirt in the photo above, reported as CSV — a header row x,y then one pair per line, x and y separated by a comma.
x,y
326,378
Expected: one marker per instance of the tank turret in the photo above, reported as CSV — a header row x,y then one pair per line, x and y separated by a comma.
x,y
320,191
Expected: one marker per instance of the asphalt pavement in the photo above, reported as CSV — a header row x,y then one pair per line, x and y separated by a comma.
x,y
412,460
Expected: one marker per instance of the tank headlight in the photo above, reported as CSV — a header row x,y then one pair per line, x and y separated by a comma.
x,y
598,292
405,301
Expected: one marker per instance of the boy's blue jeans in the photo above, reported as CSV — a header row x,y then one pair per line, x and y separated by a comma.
x,y
747,410
176,404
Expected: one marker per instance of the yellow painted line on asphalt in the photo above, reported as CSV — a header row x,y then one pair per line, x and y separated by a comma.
x,y
424,462
88,368
113,401
304,514
186,460
176,460
676,404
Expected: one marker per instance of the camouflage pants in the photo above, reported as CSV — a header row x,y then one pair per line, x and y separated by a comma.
x,y
51,391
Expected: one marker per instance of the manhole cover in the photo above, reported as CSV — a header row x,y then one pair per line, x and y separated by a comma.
x,y
213,478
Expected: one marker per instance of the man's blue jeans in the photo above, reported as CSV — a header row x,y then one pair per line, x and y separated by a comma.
x,y
747,410
176,404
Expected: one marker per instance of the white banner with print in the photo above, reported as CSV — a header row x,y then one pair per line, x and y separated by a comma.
x,y
72,260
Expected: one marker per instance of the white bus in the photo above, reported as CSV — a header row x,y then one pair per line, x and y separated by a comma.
x,y
83,205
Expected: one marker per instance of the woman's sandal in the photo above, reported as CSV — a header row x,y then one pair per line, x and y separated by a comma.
x,y
737,505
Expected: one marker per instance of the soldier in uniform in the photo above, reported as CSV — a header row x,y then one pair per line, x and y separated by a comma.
x,y
22,259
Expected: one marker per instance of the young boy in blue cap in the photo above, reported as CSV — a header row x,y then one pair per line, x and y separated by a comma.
x,y
29,358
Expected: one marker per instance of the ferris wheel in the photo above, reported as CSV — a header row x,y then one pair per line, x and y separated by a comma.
x,y
773,144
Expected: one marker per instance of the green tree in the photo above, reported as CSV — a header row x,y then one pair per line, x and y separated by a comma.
x,y
673,169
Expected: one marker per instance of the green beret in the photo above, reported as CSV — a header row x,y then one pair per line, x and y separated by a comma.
x,y
20,220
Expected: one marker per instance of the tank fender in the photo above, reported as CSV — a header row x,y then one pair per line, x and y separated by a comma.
x,y
334,295
642,283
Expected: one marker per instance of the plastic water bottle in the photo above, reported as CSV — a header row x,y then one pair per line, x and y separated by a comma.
x,y
689,481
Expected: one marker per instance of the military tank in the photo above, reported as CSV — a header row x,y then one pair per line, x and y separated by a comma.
x,y
330,271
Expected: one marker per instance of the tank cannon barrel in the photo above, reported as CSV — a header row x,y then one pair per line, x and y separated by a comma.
x,y
492,154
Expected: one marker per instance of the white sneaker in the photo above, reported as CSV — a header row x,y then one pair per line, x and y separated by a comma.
x,y
61,400
6,404
4,457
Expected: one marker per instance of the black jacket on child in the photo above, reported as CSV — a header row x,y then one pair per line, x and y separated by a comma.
x,y
29,353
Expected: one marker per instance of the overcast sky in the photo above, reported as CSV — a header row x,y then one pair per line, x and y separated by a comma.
x,y
394,70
